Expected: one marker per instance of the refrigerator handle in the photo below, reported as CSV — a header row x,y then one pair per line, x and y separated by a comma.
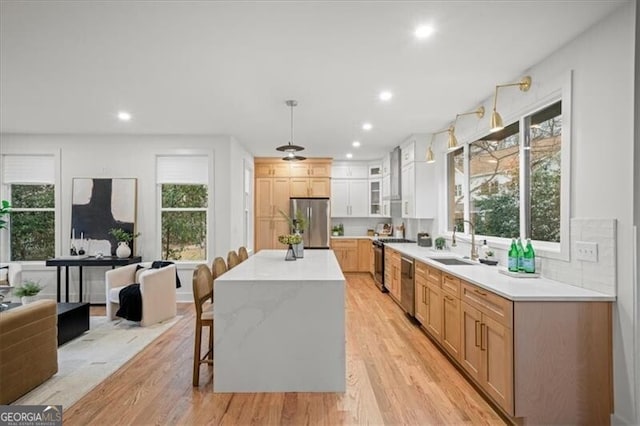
x,y
309,216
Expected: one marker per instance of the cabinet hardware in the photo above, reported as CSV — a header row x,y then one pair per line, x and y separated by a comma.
x,y
478,333
448,298
475,290
483,337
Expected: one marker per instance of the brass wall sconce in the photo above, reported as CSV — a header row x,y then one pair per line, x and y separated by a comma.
x,y
430,158
453,141
496,120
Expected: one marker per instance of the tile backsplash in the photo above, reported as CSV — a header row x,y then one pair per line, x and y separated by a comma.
x,y
598,276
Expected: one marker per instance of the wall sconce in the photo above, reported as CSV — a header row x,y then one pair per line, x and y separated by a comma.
x,y
453,142
496,121
430,159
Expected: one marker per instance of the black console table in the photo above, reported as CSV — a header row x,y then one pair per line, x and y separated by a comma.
x,y
66,262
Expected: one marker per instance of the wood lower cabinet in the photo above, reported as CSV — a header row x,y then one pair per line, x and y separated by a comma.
x,y
270,229
364,255
392,272
522,354
353,254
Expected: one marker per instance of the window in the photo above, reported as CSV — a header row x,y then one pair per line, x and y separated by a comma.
x,y
184,194
184,222
513,179
31,191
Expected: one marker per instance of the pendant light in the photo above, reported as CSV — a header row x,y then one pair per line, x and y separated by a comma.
x,y
290,149
496,122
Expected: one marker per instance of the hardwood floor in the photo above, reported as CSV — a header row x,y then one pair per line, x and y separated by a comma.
x,y
395,375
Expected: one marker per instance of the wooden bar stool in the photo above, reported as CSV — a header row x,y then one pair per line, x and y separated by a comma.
x,y
243,254
232,259
202,290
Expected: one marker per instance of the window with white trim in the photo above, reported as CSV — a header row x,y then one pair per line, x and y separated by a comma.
x,y
30,188
184,193
512,179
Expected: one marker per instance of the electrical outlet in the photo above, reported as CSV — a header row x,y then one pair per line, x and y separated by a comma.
x,y
587,251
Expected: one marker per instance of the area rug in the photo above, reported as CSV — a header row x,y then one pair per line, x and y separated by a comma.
x,y
86,361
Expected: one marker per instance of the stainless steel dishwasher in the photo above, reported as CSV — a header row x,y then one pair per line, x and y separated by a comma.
x,y
407,291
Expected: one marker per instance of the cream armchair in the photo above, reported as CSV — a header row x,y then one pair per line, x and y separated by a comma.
x,y
157,288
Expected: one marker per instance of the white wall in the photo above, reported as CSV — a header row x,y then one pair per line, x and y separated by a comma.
x,y
135,156
602,161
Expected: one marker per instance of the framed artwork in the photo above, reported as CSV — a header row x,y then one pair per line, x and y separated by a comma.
x,y
97,206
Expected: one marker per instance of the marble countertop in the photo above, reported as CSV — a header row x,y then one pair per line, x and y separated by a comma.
x,y
269,266
351,237
488,277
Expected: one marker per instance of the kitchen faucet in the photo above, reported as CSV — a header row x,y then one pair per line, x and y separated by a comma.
x,y
474,249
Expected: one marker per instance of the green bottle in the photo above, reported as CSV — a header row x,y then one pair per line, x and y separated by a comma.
x,y
520,256
513,256
529,258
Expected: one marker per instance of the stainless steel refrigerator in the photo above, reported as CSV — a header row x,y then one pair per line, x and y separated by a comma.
x,y
316,211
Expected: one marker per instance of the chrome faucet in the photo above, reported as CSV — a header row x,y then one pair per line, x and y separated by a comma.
x,y
474,249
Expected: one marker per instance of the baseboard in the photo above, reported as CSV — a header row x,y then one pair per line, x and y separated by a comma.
x,y
617,420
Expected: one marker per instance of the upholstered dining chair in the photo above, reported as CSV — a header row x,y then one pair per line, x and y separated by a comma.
x,y
232,259
243,254
202,290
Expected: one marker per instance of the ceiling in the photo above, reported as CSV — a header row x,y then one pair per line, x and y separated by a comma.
x,y
227,67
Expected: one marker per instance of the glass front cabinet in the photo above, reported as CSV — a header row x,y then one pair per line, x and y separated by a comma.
x,y
375,197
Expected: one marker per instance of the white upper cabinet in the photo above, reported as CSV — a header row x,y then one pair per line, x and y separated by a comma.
x,y
386,167
349,198
349,170
375,170
419,190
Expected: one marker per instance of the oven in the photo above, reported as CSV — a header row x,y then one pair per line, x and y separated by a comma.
x,y
378,270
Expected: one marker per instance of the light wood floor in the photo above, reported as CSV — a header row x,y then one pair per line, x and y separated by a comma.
x,y
395,375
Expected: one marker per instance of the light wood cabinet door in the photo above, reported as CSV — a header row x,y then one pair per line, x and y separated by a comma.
x,y
320,168
280,169
299,187
280,196
433,320
350,262
470,353
319,187
264,196
451,324
497,362
421,300
364,255
299,169
275,168
280,227
263,233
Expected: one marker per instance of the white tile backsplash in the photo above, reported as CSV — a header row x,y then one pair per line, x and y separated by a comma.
x,y
598,276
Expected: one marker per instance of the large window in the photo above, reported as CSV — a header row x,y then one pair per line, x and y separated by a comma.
x,y
29,185
184,222
512,179
184,203
32,222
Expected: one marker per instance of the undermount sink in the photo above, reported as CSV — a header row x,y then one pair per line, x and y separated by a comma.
x,y
451,261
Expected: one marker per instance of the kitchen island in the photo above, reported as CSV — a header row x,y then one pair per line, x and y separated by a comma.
x,y
279,325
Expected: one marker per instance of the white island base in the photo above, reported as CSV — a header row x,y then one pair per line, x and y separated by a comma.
x,y
279,325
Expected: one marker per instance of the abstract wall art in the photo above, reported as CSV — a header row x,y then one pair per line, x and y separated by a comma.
x,y
97,206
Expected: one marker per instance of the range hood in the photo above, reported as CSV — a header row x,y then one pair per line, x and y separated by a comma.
x,y
395,193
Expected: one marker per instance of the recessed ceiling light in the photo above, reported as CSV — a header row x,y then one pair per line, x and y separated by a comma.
x,y
385,95
423,32
367,126
124,116
356,144
349,155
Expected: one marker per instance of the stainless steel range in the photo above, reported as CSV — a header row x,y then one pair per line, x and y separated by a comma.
x,y
378,252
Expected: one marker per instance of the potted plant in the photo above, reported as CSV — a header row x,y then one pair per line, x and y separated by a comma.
x,y
290,240
124,238
28,291
297,225
440,241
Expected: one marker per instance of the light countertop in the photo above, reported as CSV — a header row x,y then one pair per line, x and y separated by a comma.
x,y
269,265
488,277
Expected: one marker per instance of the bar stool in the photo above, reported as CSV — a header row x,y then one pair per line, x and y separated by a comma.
x,y
243,254
232,259
202,290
